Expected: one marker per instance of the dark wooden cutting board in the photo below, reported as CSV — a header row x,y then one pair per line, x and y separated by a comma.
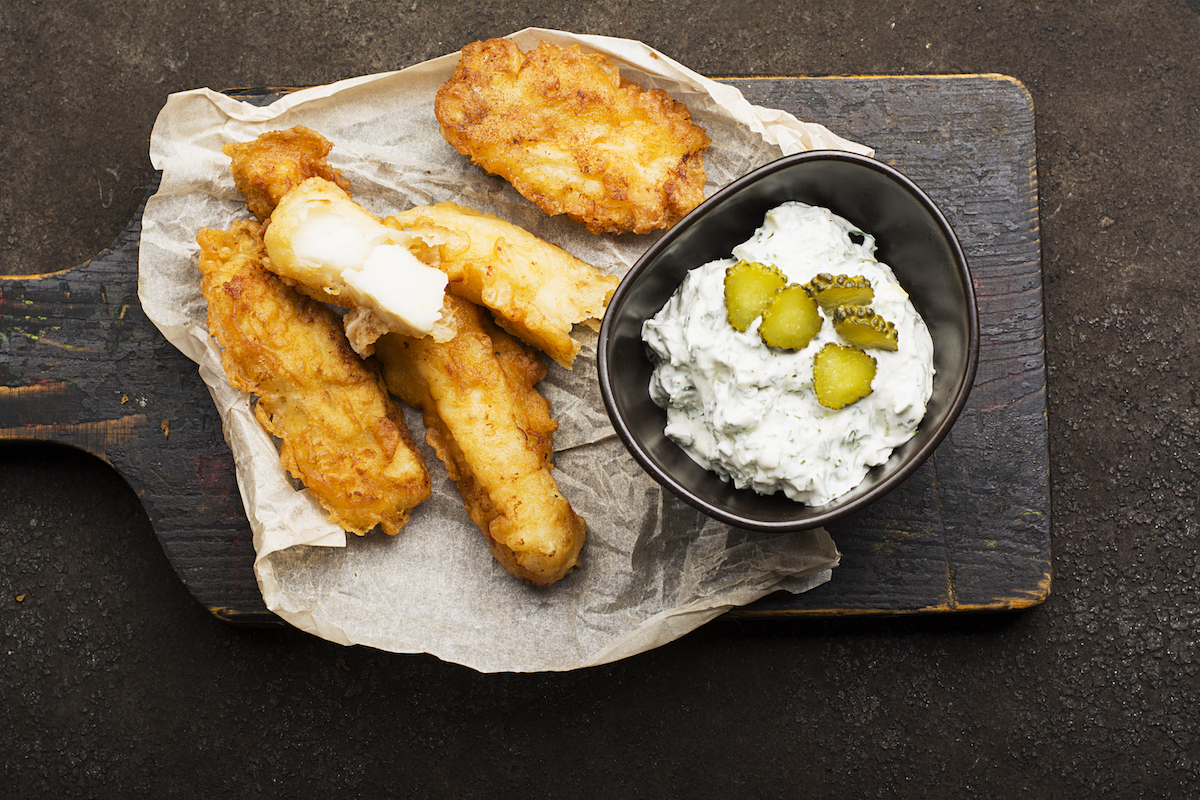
x,y
80,364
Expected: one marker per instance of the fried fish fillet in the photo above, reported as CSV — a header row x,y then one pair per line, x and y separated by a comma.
x,y
493,431
573,137
340,432
267,168
537,291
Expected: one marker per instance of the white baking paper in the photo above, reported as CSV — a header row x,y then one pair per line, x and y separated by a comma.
x,y
652,568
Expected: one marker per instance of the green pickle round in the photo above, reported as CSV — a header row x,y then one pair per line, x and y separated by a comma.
x,y
792,320
842,375
831,291
749,288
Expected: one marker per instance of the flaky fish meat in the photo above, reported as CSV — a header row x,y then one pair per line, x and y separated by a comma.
x,y
574,137
340,433
537,291
493,430
335,250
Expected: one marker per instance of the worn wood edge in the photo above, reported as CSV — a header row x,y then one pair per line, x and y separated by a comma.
x,y
994,76
1020,601
77,435
1002,605
246,619
44,275
254,91
260,91
127,232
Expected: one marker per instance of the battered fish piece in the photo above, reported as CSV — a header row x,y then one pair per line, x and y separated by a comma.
x,y
341,434
267,168
493,430
573,137
537,291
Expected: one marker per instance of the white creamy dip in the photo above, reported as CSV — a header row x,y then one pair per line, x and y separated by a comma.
x,y
748,411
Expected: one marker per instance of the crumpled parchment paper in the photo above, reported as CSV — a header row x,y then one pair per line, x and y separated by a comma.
x,y
652,569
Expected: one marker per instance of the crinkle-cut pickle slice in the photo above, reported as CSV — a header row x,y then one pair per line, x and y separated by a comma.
x,y
831,291
749,289
792,320
842,375
860,325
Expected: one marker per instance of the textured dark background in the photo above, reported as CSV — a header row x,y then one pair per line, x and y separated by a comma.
x,y
116,683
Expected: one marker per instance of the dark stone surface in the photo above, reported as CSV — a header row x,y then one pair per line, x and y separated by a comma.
x,y
116,683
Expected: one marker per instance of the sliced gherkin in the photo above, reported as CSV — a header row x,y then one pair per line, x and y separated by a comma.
x,y
749,289
792,319
842,375
831,291
860,325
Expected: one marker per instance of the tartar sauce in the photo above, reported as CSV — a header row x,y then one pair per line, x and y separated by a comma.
x,y
749,412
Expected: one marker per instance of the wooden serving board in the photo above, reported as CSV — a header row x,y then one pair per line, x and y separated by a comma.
x,y
81,364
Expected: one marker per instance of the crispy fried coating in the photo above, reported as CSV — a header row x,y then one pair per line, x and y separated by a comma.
x,y
340,432
537,291
573,137
493,430
266,169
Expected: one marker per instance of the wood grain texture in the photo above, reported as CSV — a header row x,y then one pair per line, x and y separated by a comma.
x,y
80,364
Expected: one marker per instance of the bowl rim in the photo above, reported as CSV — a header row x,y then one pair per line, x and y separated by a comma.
x,y
835,510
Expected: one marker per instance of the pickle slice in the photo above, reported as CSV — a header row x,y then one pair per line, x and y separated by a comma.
x,y
860,325
749,289
842,375
831,291
792,320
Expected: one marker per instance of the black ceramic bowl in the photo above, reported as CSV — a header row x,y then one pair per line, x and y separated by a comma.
x,y
912,237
